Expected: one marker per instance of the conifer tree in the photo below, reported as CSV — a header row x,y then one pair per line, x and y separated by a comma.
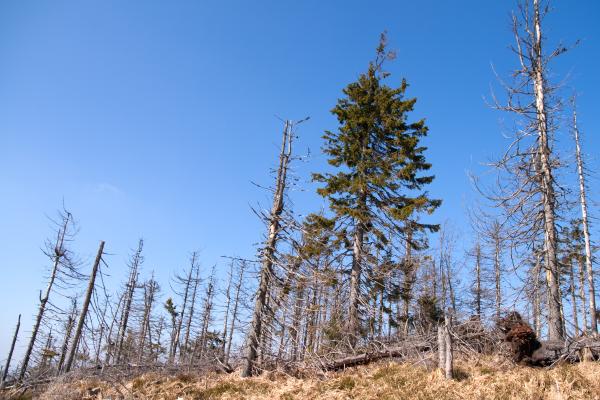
x,y
378,184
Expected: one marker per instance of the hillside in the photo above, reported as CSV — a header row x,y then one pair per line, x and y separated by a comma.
x,y
488,378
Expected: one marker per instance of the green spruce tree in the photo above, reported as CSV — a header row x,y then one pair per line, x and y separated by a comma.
x,y
378,186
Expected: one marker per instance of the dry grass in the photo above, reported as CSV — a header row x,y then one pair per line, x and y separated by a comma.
x,y
482,379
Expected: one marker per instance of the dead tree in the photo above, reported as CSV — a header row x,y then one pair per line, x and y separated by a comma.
x,y
586,230
449,362
186,281
84,308
67,338
227,307
10,353
206,315
150,289
195,283
268,252
526,192
134,265
234,314
61,258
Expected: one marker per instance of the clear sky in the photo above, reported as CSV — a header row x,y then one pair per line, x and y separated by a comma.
x,y
152,118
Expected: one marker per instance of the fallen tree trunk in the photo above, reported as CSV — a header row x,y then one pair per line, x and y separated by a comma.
x,y
369,357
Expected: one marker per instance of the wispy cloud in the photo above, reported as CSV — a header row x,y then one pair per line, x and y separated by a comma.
x,y
106,188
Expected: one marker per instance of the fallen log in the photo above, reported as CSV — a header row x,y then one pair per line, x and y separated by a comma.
x,y
369,357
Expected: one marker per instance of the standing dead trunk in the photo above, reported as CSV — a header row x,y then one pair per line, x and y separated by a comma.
x,y
555,322
149,296
582,299
586,230
478,281
573,297
268,253
188,328
441,338
68,332
187,282
84,308
134,265
227,308
235,311
10,353
537,311
496,237
449,364
58,255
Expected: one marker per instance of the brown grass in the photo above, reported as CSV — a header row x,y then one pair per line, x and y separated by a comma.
x,y
481,379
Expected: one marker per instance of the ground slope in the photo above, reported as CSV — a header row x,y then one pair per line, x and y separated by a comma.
x,y
482,379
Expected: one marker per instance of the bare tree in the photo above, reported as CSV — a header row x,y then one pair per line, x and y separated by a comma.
x,y
10,353
134,265
234,314
84,308
68,333
526,190
585,223
63,262
268,252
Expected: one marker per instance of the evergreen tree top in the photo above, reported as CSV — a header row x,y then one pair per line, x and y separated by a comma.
x,y
378,155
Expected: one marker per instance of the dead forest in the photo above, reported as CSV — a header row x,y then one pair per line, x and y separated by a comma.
x,y
374,275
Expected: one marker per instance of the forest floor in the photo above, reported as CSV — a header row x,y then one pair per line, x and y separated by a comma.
x,y
484,378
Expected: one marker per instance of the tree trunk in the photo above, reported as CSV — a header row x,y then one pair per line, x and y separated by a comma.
x,y
478,280
235,311
537,311
357,256
84,308
555,323
573,298
449,365
254,337
68,332
441,338
10,353
586,230
59,252
497,269
131,285
582,299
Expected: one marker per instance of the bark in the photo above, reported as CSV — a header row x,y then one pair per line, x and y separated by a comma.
x,y
10,353
586,230
441,339
537,312
256,328
449,364
357,256
555,323
84,308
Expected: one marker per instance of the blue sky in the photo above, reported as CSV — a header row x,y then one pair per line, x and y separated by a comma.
x,y
152,118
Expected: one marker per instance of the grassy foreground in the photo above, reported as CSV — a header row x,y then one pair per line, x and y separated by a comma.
x,y
481,379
